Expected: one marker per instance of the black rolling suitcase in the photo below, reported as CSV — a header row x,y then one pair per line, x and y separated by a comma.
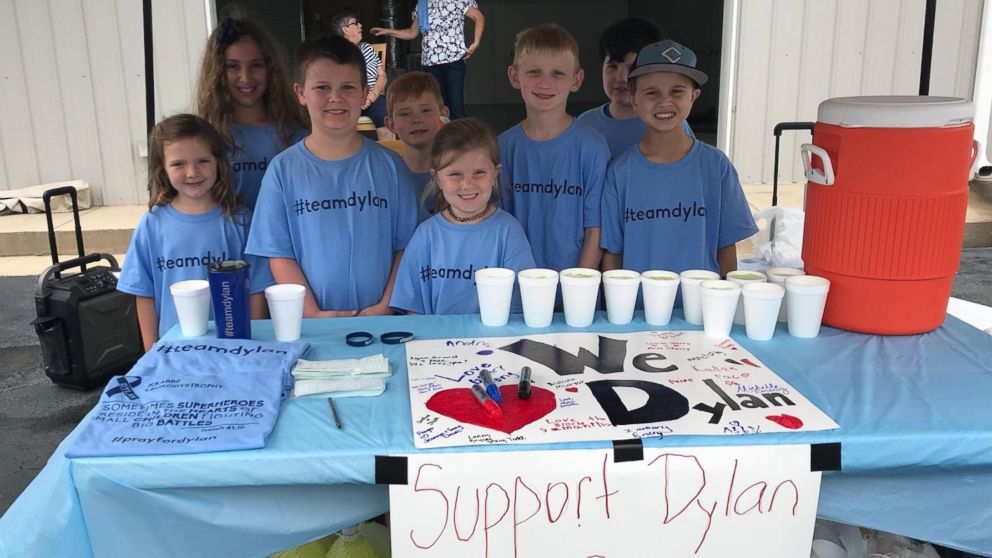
x,y
88,329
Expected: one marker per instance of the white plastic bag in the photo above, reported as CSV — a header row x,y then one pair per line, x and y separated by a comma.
x,y
779,241
836,540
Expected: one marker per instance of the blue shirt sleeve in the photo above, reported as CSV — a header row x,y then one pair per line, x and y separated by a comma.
x,y
736,222
517,254
611,234
259,276
270,236
597,173
408,293
405,216
136,275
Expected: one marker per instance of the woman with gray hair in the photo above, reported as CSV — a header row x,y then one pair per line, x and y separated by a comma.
x,y
347,25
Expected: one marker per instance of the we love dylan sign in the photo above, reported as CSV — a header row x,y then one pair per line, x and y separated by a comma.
x,y
591,386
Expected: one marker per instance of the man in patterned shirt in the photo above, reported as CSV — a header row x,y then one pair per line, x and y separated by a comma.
x,y
443,49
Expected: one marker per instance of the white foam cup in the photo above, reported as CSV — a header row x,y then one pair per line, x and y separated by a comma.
x,y
579,291
806,296
744,277
621,287
691,279
778,275
537,294
286,308
718,300
192,300
495,288
761,304
659,289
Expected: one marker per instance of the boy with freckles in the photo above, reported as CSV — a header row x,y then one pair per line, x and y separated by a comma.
x,y
336,210
671,202
553,166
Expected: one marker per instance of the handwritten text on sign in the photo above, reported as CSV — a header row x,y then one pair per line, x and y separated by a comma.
x,y
706,502
591,386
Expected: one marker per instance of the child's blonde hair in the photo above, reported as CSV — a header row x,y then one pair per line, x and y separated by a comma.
x,y
410,86
187,126
547,38
454,140
213,101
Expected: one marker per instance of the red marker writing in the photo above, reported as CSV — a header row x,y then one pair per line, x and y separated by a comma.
x,y
489,406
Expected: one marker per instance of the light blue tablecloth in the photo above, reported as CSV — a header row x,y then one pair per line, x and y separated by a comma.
x,y
916,429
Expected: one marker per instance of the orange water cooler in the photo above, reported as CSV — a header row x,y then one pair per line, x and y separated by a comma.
x,y
885,208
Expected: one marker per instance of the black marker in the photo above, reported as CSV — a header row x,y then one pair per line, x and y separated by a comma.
x,y
523,388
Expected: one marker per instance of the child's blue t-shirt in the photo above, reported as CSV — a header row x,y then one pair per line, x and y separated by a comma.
x,y
170,246
341,221
619,134
253,150
553,188
673,216
424,206
436,275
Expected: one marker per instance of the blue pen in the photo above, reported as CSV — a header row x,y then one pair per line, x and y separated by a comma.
x,y
491,388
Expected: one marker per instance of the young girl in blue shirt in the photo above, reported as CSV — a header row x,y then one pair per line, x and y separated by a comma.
x,y
245,92
468,232
193,220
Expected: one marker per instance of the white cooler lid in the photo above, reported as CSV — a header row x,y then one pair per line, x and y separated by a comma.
x,y
896,111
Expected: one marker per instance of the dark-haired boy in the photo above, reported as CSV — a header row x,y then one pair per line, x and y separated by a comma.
x,y
616,120
335,210
671,202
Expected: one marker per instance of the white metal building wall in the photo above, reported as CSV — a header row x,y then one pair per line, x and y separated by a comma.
x,y
793,55
72,89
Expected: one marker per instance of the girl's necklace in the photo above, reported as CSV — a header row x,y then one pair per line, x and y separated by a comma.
x,y
471,218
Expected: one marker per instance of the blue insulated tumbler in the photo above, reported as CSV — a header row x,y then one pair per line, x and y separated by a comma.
x,y
229,294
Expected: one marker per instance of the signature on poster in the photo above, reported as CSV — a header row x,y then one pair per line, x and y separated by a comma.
x,y
736,427
763,388
570,423
431,433
649,431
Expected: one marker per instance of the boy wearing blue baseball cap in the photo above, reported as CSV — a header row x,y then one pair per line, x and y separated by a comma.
x,y
671,202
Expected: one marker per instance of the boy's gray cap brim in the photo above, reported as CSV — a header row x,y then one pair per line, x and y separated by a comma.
x,y
692,73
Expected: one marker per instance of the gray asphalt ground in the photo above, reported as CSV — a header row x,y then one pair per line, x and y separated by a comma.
x,y
35,415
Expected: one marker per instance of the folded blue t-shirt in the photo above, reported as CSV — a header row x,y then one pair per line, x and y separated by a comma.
x,y
191,396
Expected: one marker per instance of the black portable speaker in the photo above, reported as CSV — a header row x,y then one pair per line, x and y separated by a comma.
x,y
88,329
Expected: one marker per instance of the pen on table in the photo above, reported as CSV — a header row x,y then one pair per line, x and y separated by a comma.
x,y
334,413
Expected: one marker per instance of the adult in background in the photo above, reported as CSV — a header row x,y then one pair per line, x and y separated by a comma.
x,y
443,51
346,24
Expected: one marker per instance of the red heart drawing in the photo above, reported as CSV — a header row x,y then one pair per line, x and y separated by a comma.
x,y
787,421
461,405
572,389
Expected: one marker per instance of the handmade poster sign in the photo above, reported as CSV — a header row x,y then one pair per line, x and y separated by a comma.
x,y
589,386
705,502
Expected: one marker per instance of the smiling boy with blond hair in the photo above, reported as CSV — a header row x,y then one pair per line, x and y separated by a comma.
x,y
553,167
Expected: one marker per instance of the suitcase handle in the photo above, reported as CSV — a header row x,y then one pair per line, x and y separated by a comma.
x,y
826,177
56,269
47,198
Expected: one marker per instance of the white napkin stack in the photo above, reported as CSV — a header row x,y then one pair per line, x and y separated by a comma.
x,y
354,377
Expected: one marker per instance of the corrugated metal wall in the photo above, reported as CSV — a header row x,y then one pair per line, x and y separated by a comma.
x,y
72,90
793,55
72,83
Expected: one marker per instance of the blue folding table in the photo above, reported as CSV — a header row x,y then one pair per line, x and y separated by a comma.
x,y
914,411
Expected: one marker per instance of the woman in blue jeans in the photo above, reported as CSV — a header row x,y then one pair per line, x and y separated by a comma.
x,y
443,51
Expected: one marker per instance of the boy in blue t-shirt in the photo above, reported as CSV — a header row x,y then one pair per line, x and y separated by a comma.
x,y
671,202
616,120
335,210
415,110
553,168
